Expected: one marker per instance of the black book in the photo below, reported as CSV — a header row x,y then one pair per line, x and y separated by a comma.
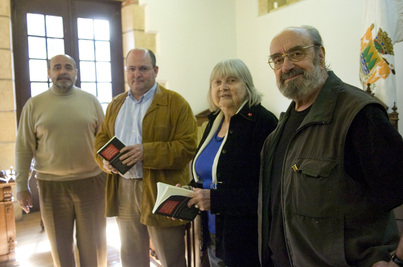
x,y
111,152
172,202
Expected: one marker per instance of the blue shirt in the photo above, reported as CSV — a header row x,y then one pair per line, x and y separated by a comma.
x,y
203,167
128,125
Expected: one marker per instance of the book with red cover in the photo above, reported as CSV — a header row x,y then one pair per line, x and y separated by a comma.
x,y
172,202
111,152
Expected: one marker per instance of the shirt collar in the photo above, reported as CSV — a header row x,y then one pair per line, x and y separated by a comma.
x,y
150,93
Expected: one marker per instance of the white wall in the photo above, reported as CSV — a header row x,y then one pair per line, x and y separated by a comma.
x,y
340,23
193,35
399,82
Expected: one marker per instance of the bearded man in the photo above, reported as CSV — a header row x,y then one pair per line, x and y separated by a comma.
x,y
57,130
331,172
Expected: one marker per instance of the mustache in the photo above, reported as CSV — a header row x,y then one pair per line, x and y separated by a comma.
x,y
63,77
291,73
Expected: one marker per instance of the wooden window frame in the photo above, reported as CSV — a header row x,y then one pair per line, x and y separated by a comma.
x,y
70,10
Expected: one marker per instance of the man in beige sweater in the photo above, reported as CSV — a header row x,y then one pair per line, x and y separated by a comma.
x,y
57,129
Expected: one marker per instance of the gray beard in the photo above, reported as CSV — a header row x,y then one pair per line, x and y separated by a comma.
x,y
63,87
301,87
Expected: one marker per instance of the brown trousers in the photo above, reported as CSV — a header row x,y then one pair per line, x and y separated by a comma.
x,y
169,242
81,204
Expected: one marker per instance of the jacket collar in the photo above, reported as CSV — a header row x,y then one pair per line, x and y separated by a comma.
x,y
248,113
160,98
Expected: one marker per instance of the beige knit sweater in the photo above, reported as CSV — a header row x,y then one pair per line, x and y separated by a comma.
x,y
57,130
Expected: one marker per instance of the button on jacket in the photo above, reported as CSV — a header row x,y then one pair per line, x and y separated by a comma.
x,y
169,140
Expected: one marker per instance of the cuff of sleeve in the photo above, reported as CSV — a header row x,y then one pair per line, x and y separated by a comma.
x,y
21,184
396,260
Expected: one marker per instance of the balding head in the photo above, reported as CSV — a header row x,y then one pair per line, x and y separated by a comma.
x,y
62,71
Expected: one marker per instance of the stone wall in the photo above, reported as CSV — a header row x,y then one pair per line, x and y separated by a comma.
x,y
7,103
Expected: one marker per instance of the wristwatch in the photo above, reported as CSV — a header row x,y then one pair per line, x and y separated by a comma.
x,y
396,260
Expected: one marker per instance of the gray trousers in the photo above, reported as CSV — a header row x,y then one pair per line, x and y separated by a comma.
x,y
211,250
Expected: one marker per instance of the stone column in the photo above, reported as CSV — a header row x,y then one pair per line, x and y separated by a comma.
x,y
7,101
133,28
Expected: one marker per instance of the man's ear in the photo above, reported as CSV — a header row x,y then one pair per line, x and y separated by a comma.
x,y
322,54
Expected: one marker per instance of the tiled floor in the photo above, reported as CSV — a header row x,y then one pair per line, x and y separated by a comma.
x,y
33,250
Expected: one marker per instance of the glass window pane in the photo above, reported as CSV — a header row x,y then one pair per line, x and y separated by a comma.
x,y
104,72
101,29
86,49
38,88
36,47
85,28
87,71
90,88
55,47
105,92
38,70
104,107
35,24
103,51
54,26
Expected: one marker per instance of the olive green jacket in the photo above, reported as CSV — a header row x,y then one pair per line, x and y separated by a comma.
x,y
169,141
329,218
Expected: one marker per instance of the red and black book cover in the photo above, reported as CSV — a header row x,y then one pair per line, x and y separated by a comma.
x,y
172,202
111,152
176,207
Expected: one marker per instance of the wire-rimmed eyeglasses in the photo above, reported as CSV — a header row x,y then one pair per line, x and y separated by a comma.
x,y
141,69
295,54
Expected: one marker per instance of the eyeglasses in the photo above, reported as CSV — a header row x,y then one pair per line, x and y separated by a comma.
x,y
295,54
141,69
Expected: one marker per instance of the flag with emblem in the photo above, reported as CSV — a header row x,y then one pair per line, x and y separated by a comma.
x,y
383,26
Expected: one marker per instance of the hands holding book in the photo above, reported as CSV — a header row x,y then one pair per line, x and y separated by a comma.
x,y
132,154
179,202
108,167
172,202
119,158
200,198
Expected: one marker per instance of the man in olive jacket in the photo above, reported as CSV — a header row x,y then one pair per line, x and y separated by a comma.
x,y
331,172
160,132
